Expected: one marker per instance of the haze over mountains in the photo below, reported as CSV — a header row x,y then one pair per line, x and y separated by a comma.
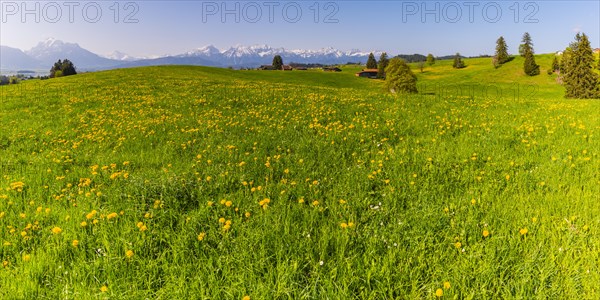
x,y
44,55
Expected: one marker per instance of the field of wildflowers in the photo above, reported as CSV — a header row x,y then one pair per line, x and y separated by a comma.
x,y
195,183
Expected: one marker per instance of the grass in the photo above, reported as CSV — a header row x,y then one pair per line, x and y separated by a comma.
x,y
162,175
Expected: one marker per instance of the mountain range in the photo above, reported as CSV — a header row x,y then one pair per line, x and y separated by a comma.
x,y
47,52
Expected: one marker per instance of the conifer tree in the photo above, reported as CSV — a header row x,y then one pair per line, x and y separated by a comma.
x,y
371,62
383,63
579,77
529,66
501,51
277,62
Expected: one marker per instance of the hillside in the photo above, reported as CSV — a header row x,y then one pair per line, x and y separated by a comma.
x,y
183,182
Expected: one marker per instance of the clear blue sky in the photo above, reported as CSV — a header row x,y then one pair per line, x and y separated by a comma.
x,y
172,27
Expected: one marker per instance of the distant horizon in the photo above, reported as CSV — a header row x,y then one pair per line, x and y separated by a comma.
x,y
141,29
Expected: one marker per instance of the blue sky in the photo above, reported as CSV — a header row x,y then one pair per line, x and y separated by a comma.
x,y
144,28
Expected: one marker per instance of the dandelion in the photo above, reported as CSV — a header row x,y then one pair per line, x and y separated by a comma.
x,y
473,201
246,297
111,215
201,236
447,285
143,228
439,293
26,257
344,225
247,214
486,233
457,245
228,203
56,230
83,224
221,220
523,231
129,253
104,289
75,243
315,203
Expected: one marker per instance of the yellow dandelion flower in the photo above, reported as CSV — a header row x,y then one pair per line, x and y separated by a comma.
x,y
221,220
228,203
129,253
473,201
315,203
523,231
56,230
143,228
201,236
75,243
247,214
439,293
104,289
83,224
112,215
447,285
344,225
457,245
26,257
485,233
210,203
246,297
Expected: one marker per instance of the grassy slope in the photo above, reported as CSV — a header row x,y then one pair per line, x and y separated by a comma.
x,y
440,171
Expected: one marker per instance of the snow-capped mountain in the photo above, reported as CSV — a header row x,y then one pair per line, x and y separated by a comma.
x,y
246,56
43,56
118,55
51,50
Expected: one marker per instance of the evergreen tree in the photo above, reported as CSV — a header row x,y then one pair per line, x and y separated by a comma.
x,y
529,66
277,62
526,44
501,51
579,77
399,77
371,62
62,68
430,59
383,63
458,63
68,68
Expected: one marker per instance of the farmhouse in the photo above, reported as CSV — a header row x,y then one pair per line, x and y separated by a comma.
x,y
286,68
332,69
368,73
266,67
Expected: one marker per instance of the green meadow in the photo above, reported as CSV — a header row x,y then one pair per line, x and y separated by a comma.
x,y
180,182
